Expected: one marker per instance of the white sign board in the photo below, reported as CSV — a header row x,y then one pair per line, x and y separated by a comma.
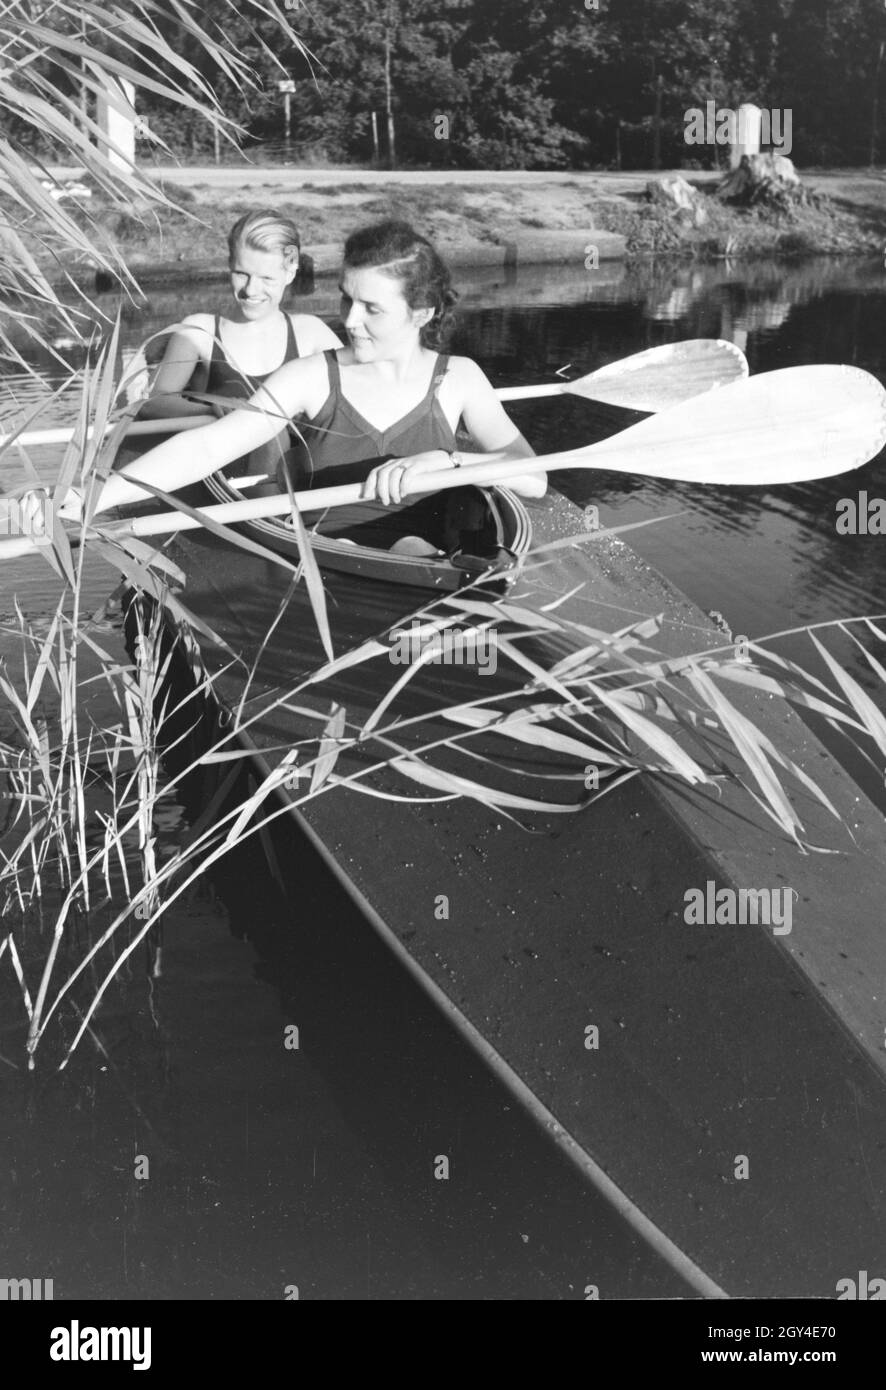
x,y
118,127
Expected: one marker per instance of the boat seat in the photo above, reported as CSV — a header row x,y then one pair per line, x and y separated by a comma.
x,y
415,545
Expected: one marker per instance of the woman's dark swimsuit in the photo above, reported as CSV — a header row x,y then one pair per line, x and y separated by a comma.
x,y
222,378
341,446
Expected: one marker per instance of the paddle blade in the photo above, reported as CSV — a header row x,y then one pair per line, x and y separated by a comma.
x,y
652,380
665,376
788,426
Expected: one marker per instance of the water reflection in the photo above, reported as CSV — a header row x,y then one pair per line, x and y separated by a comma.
x,y
718,299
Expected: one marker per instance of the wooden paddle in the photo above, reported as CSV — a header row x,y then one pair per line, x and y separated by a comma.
x,y
652,380
782,427
657,379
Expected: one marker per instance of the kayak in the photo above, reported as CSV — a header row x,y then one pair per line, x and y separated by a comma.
x,y
507,540
723,1087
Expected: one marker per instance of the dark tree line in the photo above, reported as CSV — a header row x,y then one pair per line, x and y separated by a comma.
x,y
556,83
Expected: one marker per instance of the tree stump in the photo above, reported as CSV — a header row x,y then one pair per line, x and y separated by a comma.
x,y
770,179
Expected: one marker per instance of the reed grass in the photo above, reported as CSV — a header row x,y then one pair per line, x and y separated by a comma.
x,y
58,61
82,882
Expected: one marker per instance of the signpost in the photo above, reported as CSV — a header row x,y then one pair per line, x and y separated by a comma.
x,y
287,88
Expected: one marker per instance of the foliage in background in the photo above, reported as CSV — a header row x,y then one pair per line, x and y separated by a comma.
x,y
59,60
522,84
526,84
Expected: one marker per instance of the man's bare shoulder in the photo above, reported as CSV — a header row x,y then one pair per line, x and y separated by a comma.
x,y
197,328
312,334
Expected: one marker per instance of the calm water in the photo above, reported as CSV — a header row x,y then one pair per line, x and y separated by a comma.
x,y
271,1167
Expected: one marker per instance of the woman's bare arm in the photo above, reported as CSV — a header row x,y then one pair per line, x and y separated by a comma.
x,y
189,345
298,387
491,428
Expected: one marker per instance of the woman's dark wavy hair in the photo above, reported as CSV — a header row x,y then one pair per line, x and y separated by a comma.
x,y
397,249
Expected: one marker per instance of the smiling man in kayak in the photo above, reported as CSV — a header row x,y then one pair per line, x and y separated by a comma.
x,y
388,395
234,354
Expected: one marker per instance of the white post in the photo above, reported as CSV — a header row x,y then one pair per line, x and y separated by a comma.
x,y
118,127
286,87
750,120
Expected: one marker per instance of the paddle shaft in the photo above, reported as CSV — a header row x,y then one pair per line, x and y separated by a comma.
x,y
317,499
170,425
651,380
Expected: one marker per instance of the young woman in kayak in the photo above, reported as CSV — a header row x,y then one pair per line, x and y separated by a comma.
x,y
233,355
388,395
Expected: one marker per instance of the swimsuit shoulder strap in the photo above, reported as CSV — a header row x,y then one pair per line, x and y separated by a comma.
x,y
327,412
441,367
217,354
291,341
331,355
437,411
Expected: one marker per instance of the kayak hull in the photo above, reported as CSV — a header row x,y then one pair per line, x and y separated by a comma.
x,y
666,1059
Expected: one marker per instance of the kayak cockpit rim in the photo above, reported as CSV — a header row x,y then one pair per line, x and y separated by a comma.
x,y
443,572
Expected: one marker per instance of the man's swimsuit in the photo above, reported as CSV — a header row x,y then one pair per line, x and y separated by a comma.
x,y
222,378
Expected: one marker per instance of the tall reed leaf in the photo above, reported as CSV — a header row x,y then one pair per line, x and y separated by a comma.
x,y
96,46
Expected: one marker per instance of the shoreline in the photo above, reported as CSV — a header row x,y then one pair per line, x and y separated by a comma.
x,y
479,218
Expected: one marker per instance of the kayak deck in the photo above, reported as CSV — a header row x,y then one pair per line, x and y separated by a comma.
x,y
716,1044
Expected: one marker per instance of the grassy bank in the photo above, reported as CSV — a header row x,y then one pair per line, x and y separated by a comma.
x,y
849,218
